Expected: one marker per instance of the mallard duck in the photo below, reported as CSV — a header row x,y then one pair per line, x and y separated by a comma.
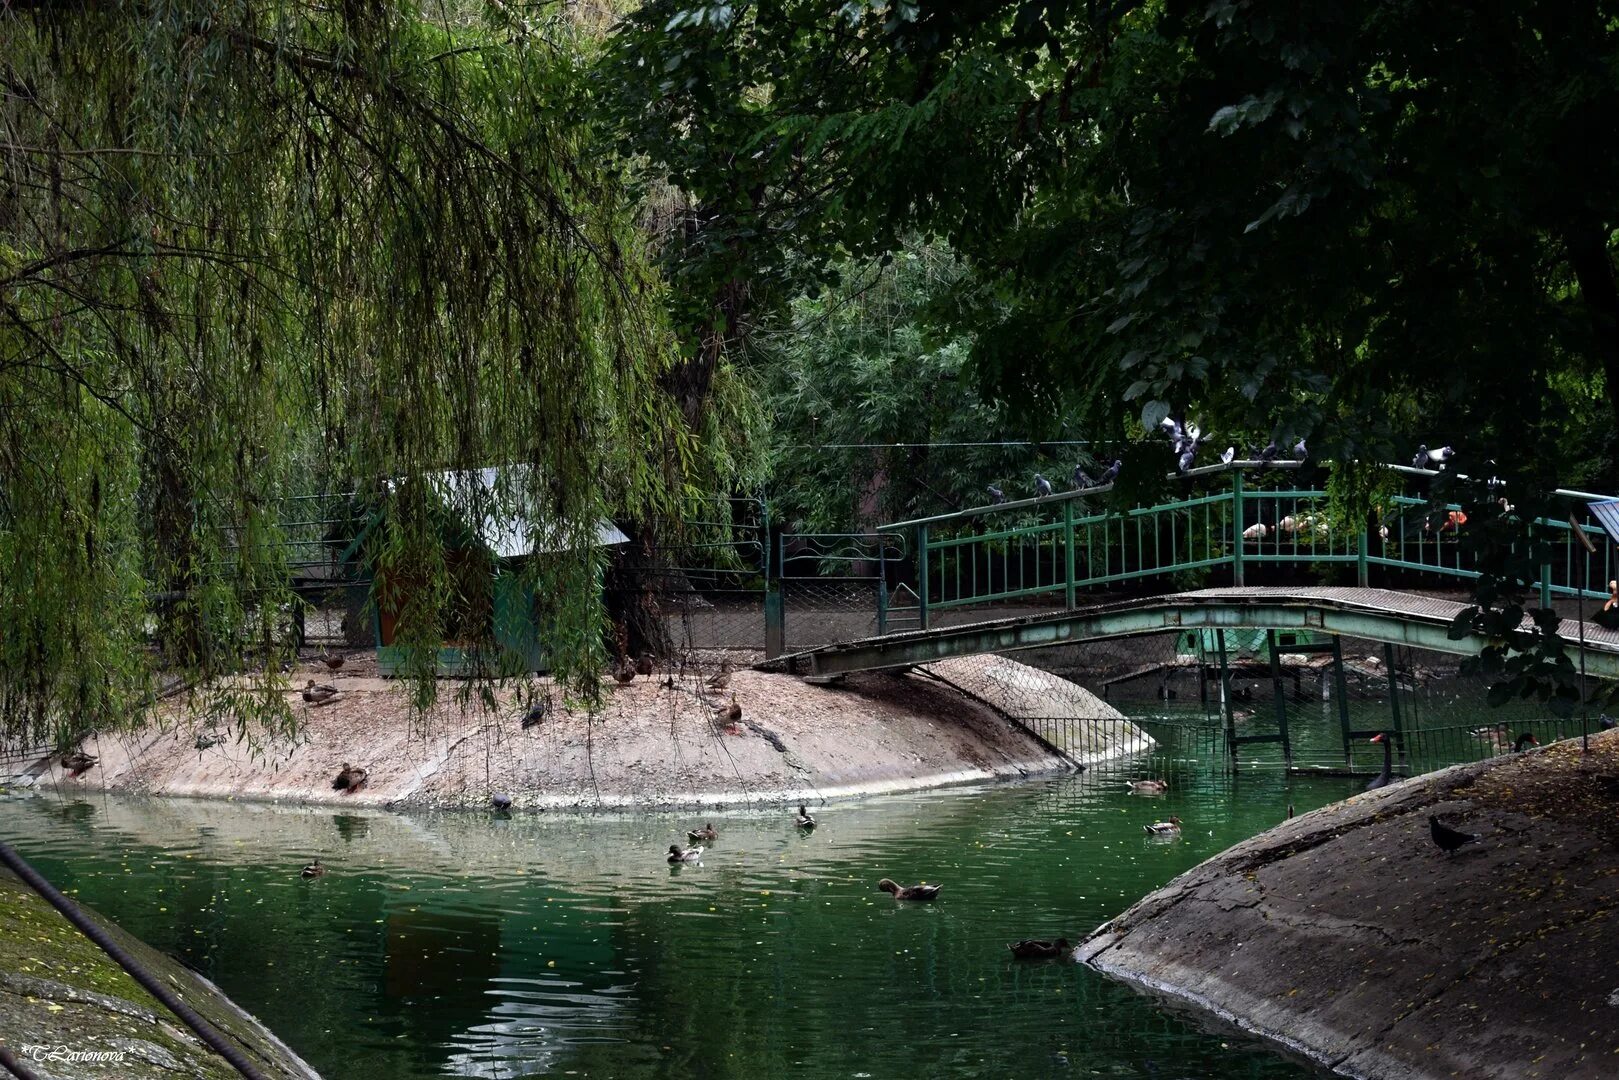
x,y
333,661
910,892
643,666
623,672
1034,949
1149,787
350,779
721,680
500,801
705,835
804,821
678,854
731,714
1164,828
78,762
313,870
318,693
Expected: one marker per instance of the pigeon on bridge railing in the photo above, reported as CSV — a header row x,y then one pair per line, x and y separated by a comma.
x,y
1111,474
1299,451
1042,486
1082,479
1187,459
996,495
1268,454
1229,456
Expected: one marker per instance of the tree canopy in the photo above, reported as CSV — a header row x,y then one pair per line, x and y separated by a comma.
x,y
263,249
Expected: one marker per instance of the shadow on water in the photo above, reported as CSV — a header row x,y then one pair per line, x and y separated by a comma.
x,y
465,945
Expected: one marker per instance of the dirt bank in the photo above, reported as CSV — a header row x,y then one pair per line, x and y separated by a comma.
x,y
1349,937
68,1011
651,744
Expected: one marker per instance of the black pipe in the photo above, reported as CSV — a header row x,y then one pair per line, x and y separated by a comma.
x,y
192,1019
15,1066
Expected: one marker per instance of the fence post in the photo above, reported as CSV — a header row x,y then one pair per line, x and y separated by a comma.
x,y
1068,549
1545,584
775,620
882,600
922,577
1362,569
1236,529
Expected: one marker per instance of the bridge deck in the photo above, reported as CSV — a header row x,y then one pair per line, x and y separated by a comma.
x,y
1373,614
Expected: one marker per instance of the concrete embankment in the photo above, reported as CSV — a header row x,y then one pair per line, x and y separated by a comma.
x,y
69,1012
1350,938
652,743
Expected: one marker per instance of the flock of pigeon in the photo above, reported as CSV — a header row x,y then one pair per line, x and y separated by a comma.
x,y
1186,440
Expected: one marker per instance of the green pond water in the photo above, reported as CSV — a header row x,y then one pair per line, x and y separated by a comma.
x,y
462,944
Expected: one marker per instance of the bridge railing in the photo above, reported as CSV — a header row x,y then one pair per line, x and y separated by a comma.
x,y
1048,549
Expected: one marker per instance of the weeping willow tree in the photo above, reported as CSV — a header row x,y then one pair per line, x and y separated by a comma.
x,y
257,248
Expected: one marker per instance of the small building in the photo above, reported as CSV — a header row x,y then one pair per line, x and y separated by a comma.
x,y
501,539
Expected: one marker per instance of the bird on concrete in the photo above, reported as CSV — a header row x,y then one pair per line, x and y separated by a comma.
x,y
500,801
1608,723
1300,452
1035,949
909,892
643,665
349,779
1525,740
1447,838
803,820
996,495
731,715
537,713
721,679
333,661
678,854
1229,456
78,762
318,693
1290,811
1110,474
1082,479
1042,486
623,672
1382,779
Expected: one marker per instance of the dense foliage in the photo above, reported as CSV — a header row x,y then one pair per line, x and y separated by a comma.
x,y
257,249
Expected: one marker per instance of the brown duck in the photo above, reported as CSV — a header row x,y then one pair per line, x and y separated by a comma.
x,y
1034,949
333,661
313,870
731,715
623,672
910,892
705,835
319,693
643,666
350,778
78,762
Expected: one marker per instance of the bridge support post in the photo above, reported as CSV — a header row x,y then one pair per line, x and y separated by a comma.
x,y
882,601
1237,526
1340,689
1362,568
1228,719
775,621
1546,585
1278,698
922,577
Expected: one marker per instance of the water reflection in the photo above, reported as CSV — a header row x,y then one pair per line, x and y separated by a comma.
x,y
466,945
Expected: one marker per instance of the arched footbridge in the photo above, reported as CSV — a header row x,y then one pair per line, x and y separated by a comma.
x,y
1399,618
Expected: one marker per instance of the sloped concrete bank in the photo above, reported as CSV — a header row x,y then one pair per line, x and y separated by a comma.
x,y
650,745
1348,937
69,1012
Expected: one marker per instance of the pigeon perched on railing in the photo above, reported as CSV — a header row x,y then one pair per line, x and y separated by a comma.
x,y
1111,474
1268,454
1042,486
1419,460
1082,479
1441,457
1299,451
1187,459
996,495
1229,456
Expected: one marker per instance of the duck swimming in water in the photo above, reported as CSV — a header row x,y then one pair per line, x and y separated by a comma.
x,y
1033,949
678,854
803,820
909,892
705,835
313,870
1149,787
1164,828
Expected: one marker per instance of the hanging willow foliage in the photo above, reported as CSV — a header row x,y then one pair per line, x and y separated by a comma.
x,y
252,249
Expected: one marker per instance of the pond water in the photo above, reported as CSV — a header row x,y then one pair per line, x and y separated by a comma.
x,y
462,944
